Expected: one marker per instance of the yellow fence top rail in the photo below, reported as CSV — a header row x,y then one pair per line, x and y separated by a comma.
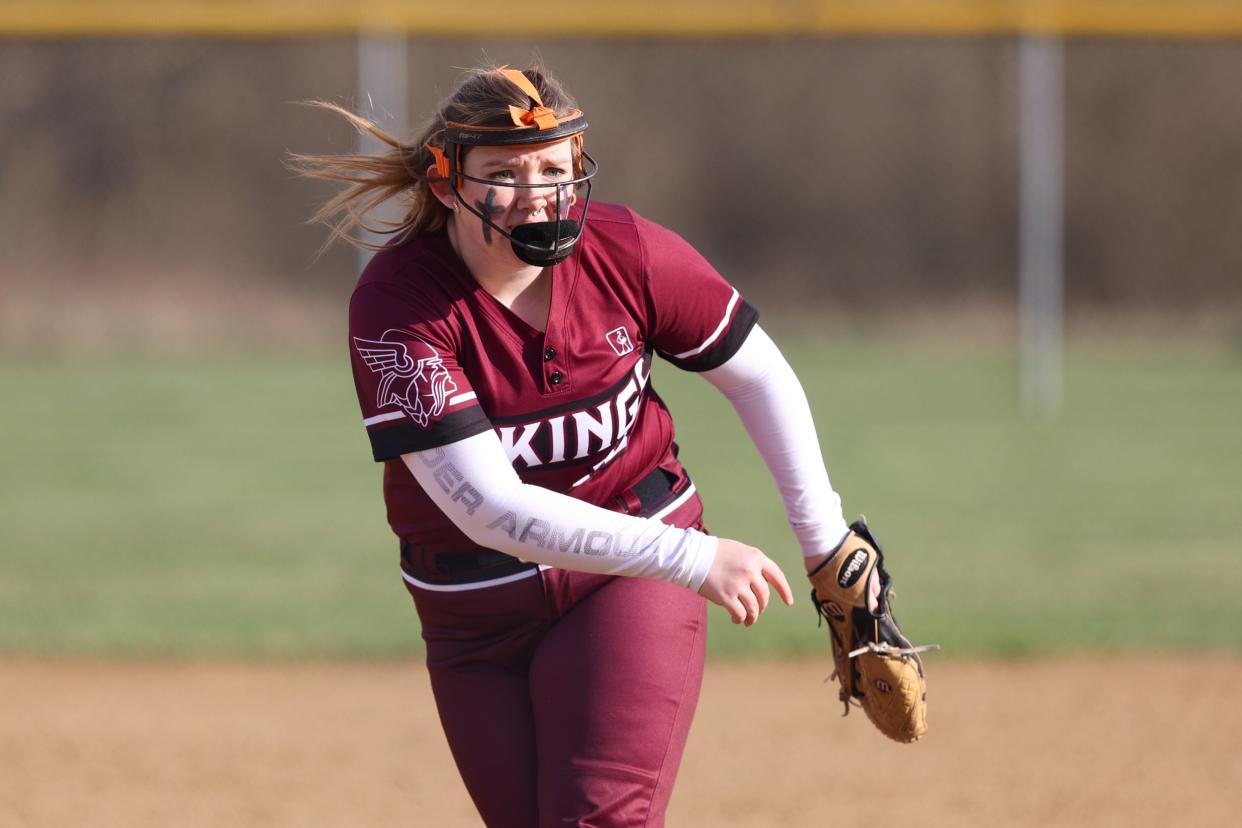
x,y
620,18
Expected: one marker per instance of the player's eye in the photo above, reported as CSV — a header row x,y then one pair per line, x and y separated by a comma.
x,y
502,175
554,172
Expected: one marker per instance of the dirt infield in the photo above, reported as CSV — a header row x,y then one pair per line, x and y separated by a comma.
x,y
1125,742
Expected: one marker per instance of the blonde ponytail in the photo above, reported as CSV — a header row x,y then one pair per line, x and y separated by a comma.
x,y
372,179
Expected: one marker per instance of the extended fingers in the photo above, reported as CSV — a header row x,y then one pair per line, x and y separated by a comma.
x,y
773,574
739,582
756,597
760,589
750,603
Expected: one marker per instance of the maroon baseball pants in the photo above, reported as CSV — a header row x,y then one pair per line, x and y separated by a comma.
x,y
566,697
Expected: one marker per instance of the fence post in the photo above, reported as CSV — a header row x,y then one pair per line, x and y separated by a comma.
x,y
382,99
1040,270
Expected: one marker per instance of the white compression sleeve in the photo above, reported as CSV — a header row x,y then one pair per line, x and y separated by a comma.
x,y
474,484
770,401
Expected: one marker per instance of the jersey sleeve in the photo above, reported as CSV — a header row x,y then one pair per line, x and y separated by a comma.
x,y
696,319
412,390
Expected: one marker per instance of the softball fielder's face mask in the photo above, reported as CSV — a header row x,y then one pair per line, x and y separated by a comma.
x,y
540,243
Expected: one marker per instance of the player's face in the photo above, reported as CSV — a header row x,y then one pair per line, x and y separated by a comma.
x,y
545,165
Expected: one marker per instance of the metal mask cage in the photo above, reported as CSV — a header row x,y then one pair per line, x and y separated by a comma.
x,y
534,124
552,254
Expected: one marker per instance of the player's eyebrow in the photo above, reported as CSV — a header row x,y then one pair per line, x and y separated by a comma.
x,y
514,162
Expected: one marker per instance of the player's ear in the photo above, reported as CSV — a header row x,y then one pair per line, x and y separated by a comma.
x,y
439,188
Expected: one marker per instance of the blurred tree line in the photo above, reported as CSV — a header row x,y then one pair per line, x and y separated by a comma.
x,y
871,173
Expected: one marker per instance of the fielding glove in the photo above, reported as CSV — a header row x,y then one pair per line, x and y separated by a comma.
x,y
878,668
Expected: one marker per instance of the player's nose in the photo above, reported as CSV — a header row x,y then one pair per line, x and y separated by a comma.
x,y
534,199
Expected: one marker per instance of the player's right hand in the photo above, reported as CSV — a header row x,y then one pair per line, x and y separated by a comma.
x,y
738,581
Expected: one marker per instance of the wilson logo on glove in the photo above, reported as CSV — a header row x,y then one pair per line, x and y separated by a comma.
x,y
852,569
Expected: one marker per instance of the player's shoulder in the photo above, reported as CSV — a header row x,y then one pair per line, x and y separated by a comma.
x,y
610,228
604,214
621,233
617,219
410,262
415,278
616,222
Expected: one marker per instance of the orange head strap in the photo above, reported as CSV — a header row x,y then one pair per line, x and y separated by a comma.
x,y
535,125
538,115
442,162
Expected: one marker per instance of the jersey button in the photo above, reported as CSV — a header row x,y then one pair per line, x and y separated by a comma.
x,y
548,353
555,377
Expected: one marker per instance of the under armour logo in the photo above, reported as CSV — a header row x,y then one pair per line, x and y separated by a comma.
x,y
619,339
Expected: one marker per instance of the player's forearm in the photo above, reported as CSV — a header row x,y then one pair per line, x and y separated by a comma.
x,y
773,408
473,483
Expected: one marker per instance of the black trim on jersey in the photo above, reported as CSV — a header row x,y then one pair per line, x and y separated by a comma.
x,y
580,404
656,490
394,441
448,568
725,347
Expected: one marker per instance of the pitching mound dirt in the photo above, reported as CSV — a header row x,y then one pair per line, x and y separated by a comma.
x,y
1125,742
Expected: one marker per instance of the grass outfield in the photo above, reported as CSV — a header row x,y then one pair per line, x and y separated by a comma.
x,y
227,504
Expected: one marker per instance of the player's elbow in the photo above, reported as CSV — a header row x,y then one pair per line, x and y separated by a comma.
x,y
477,534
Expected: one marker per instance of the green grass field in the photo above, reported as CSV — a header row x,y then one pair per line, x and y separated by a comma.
x,y
227,505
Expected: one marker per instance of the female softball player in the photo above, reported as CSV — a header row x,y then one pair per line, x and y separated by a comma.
x,y
551,540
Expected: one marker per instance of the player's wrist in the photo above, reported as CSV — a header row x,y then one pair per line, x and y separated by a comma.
x,y
817,539
702,563
818,559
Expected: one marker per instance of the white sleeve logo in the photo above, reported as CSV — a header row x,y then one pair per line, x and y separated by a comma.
x,y
412,374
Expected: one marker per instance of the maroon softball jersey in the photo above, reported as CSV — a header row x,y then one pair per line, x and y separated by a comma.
x,y
437,359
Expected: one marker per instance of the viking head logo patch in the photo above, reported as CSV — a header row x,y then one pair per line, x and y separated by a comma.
x,y
412,374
